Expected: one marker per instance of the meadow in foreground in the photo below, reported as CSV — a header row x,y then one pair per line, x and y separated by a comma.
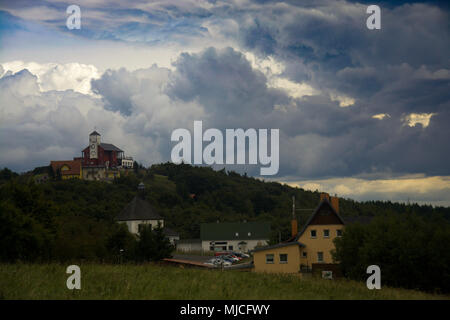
x,y
151,281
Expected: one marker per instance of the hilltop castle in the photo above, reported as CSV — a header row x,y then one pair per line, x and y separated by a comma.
x,y
99,161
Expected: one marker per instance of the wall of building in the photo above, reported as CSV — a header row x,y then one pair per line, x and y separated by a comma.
x,y
292,265
133,225
189,246
92,173
250,244
318,244
126,163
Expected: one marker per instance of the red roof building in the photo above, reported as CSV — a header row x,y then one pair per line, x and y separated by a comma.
x,y
99,154
67,168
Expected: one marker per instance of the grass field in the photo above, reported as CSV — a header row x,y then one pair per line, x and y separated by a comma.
x,y
149,281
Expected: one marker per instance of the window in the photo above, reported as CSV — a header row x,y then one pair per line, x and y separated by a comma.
x,y
313,233
326,233
319,256
211,248
269,258
249,234
283,258
237,234
339,232
304,254
230,247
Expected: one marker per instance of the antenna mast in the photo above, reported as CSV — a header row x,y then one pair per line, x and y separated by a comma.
x,y
293,207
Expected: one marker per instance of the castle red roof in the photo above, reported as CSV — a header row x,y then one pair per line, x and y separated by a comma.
x,y
73,165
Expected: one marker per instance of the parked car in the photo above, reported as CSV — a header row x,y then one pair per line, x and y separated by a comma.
x,y
235,256
226,258
221,253
217,262
241,255
231,258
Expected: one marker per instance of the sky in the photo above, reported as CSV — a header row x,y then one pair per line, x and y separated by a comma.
x,y
362,113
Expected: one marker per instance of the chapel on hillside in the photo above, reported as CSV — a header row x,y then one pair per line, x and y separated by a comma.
x,y
139,212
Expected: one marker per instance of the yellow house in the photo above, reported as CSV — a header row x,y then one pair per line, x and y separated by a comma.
x,y
311,246
69,169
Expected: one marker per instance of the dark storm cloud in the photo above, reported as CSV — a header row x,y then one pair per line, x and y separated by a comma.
x,y
318,137
223,81
401,69
117,87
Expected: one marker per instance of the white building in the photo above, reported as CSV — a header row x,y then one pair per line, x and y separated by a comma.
x,y
234,236
127,162
139,212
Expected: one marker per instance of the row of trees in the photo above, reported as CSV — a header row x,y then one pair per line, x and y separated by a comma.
x,y
412,251
71,221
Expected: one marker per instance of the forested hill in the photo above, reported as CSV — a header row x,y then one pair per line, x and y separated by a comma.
x,y
219,195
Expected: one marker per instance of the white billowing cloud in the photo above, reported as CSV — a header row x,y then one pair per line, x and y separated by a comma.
x,y
293,89
418,118
344,101
267,65
273,70
37,126
381,116
60,77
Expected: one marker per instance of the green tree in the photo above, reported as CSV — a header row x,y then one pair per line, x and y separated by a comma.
x,y
411,251
152,244
121,244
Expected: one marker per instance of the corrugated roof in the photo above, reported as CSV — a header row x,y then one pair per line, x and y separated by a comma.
x,y
235,231
138,209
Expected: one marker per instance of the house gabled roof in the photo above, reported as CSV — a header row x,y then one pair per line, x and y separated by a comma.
x,y
235,231
138,209
324,203
94,133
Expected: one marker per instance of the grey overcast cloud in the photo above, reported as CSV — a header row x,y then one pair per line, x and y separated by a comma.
x,y
362,113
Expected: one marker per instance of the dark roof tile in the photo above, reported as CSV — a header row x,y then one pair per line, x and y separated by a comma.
x,y
138,209
110,147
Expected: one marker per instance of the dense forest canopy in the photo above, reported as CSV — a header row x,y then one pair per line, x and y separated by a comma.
x,y
72,219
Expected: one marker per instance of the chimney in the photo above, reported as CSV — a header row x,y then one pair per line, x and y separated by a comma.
x,y
324,195
294,227
294,223
335,203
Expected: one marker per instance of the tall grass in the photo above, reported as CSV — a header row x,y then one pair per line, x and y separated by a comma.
x,y
150,281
